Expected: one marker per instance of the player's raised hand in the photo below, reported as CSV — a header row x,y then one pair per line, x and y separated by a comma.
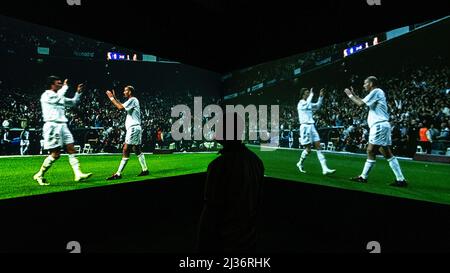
x,y
109,94
80,88
114,93
349,92
311,90
66,81
322,92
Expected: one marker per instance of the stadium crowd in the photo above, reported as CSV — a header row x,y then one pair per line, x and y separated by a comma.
x,y
95,111
19,38
289,67
418,99
21,104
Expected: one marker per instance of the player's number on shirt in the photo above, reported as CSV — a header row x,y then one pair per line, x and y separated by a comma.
x,y
74,246
373,247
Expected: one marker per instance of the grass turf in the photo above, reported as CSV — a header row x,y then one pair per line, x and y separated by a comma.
x,y
427,181
16,173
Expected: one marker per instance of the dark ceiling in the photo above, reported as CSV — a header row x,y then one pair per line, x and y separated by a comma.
x,y
225,35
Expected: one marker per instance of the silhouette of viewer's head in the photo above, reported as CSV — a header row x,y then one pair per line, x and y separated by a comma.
x,y
232,129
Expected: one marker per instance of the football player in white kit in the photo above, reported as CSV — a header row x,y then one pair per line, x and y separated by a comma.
x,y
380,131
133,128
55,131
308,132
24,140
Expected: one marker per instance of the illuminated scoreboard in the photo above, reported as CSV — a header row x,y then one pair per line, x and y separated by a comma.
x,y
354,49
117,56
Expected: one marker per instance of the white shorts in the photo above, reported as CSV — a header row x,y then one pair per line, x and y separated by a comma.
x,y
24,142
56,135
134,135
308,134
380,134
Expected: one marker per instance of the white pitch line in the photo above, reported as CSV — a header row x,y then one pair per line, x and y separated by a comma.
x,y
324,151
99,154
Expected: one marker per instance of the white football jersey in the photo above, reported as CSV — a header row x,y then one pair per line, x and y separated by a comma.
x,y
133,112
305,109
378,109
54,104
25,135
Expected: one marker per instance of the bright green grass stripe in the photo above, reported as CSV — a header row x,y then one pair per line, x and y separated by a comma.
x,y
16,173
428,182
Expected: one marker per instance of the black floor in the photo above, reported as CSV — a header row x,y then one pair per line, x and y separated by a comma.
x,y
160,216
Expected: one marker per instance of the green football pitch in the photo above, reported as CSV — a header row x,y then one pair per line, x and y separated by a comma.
x,y
427,181
16,172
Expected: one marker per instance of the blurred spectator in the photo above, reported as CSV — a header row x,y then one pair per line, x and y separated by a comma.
x,y
445,131
6,142
424,137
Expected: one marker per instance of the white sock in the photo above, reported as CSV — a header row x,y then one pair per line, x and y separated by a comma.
x,y
367,167
75,164
322,160
48,161
395,166
141,158
303,156
122,165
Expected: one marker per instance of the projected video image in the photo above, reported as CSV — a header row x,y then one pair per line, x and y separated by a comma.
x,y
61,129
368,115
